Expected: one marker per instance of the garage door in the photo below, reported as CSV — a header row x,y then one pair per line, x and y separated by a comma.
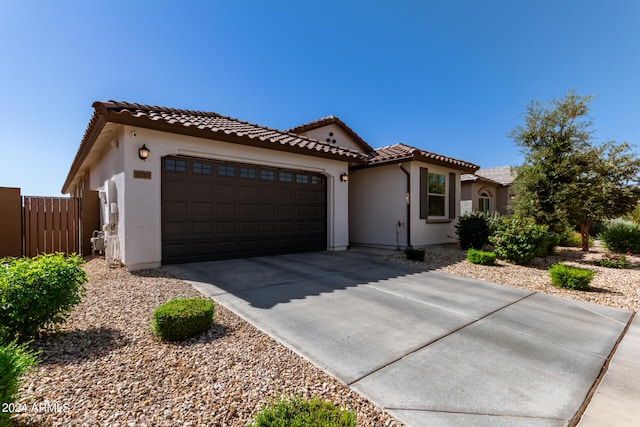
x,y
217,210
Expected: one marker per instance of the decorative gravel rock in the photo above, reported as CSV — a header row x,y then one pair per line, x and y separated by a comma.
x,y
105,368
611,286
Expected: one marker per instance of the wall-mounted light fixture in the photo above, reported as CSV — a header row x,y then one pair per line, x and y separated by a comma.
x,y
143,152
344,177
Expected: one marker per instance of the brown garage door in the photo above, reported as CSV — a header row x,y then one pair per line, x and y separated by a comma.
x,y
216,210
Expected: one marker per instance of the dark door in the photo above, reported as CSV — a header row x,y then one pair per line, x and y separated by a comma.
x,y
217,210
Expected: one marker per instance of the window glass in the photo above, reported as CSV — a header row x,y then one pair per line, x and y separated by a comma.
x,y
175,165
316,180
226,170
302,179
484,202
247,173
202,168
267,175
285,177
436,195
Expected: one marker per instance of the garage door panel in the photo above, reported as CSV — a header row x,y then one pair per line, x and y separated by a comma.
x,y
215,210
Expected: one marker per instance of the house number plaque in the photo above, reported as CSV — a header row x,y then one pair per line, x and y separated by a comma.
x,y
142,174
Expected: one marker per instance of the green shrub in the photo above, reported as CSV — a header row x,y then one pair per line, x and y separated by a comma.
x,y
616,261
15,361
182,318
574,239
621,236
38,292
567,277
519,239
473,229
302,413
414,254
476,256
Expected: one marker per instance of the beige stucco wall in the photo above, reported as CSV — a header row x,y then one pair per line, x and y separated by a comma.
x,y
342,139
377,201
499,197
138,218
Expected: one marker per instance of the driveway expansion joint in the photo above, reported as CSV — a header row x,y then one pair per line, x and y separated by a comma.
x,y
411,352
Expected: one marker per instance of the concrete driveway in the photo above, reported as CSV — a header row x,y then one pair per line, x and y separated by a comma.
x,y
431,349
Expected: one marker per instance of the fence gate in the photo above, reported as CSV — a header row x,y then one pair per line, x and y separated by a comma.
x,y
32,225
51,224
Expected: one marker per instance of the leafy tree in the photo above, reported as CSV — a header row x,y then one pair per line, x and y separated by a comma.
x,y
566,180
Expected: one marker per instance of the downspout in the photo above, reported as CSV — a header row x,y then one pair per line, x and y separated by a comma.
x,y
408,198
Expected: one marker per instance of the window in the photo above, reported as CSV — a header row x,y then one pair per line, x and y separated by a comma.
x,y
247,173
202,168
285,177
436,195
302,179
484,202
268,175
175,165
225,170
316,180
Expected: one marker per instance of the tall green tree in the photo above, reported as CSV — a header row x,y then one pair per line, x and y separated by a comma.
x,y
566,180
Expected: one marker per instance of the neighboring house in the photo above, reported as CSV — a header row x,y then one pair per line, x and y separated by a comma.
x,y
488,190
216,187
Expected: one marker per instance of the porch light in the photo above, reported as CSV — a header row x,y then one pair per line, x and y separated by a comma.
x,y
143,152
344,177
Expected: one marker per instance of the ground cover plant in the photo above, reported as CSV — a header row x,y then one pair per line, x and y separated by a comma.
x,y
615,261
39,292
182,318
564,276
297,412
476,256
15,361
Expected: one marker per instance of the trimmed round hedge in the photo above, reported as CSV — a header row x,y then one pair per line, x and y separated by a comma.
x,y
182,318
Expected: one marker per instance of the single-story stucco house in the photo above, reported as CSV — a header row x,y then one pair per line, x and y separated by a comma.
x,y
488,190
179,186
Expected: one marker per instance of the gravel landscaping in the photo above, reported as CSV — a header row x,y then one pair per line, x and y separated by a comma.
x,y
104,366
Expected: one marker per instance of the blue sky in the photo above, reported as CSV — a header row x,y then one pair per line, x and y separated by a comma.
x,y
450,76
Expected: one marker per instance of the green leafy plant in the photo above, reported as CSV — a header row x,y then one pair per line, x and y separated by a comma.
x,y
38,292
621,236
473,229
182,318
574,239
519,239
15,361
566,277
302,413
615,261
476,256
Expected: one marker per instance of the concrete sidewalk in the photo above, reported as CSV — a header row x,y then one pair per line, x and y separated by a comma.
x,y
429,348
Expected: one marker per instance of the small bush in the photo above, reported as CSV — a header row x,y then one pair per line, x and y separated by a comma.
x,y
302,413
567,277
38,292
615,261
519,239
621,236
574,239
414,254
182,318
473,230
15,361
476,256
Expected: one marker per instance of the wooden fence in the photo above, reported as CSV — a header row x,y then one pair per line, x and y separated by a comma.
x,y
33,225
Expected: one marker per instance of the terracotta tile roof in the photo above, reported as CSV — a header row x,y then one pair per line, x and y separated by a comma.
x,y
503,175
402,152
204,125
332,120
